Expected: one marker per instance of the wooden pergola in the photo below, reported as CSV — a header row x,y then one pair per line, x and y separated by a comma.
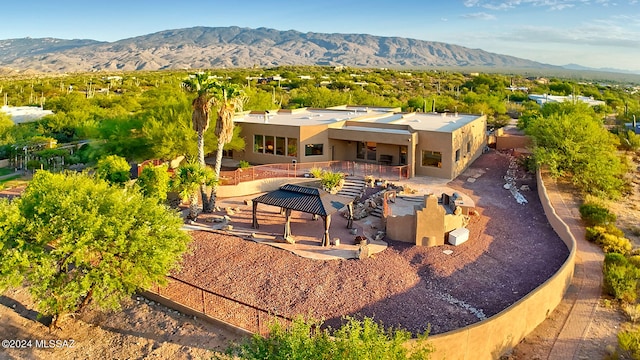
x,y
305,199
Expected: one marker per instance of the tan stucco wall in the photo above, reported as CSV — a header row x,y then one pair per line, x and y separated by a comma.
x,y
447,144
452,222
401,228
512,142
256,186
343,150
429,225
251,129
498,334
316,134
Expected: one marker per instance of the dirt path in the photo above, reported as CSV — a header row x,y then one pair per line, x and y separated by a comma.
x,y
582,326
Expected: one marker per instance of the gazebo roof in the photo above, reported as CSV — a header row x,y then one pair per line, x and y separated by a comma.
x,y
306,199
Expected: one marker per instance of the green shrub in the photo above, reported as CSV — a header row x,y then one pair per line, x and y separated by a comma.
x,y
615,259
243,164
331,180
614,230
316,172
35,165
629,342
635,260
355,340
632,311
595,233
620,277
594,215
615,244
154,182
113,168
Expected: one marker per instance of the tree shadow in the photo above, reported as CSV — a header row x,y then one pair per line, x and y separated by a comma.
x,y
25,312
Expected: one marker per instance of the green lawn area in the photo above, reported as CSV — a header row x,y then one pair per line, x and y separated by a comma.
x,y
5,171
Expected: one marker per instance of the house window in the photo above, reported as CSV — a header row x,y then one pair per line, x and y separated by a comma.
x,y
258,143
458,155
431,158
280,146
292,147
275,145
269,144
366,150
313,149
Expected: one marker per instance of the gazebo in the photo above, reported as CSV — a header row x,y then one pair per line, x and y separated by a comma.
x,y
306,199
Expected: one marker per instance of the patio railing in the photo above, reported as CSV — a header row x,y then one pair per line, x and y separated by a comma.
x,y
302,169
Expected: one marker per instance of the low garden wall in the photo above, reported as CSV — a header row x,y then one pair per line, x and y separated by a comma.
x,y
491,338
256,186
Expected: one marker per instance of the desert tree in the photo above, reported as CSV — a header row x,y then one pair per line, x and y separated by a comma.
x,y
114,169
79,242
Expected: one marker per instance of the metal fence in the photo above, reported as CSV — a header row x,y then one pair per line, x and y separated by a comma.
x,y
302,169
220,307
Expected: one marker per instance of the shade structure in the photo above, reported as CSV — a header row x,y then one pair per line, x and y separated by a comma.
x,y
305,199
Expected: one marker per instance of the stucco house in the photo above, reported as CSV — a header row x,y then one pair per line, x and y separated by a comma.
x,y
430,144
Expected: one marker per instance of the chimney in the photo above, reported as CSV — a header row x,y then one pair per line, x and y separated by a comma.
x,y
266,116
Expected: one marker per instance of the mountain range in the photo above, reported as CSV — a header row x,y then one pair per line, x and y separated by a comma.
x,y
218,47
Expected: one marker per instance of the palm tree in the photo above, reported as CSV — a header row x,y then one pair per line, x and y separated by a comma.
x,y
187,179
202,85
228,98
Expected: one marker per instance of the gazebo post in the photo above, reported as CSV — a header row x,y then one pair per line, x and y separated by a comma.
x,y
325,238
255,215
287,225
350,218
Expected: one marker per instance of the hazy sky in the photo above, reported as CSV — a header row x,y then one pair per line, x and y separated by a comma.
x,y
595,33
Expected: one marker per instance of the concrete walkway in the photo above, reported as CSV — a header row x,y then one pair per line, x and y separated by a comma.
x,y
16,173
585,289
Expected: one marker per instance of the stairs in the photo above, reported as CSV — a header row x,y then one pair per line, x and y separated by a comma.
x,y
377,212
353,187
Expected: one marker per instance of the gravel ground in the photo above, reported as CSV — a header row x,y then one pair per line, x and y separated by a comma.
x,y
511,250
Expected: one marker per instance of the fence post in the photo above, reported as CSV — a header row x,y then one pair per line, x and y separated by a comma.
x,y
204,308
259,330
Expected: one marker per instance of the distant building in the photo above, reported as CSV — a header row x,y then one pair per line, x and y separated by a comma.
x,y
634,126
23,114
431,144
546,98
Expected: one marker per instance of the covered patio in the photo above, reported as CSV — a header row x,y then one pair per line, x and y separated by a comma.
x,y
305,199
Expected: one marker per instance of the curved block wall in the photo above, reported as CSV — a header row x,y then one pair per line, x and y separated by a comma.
x,y
498,334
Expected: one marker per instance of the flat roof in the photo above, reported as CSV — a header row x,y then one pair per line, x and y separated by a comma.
x,y
305,117
376,129
444,122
